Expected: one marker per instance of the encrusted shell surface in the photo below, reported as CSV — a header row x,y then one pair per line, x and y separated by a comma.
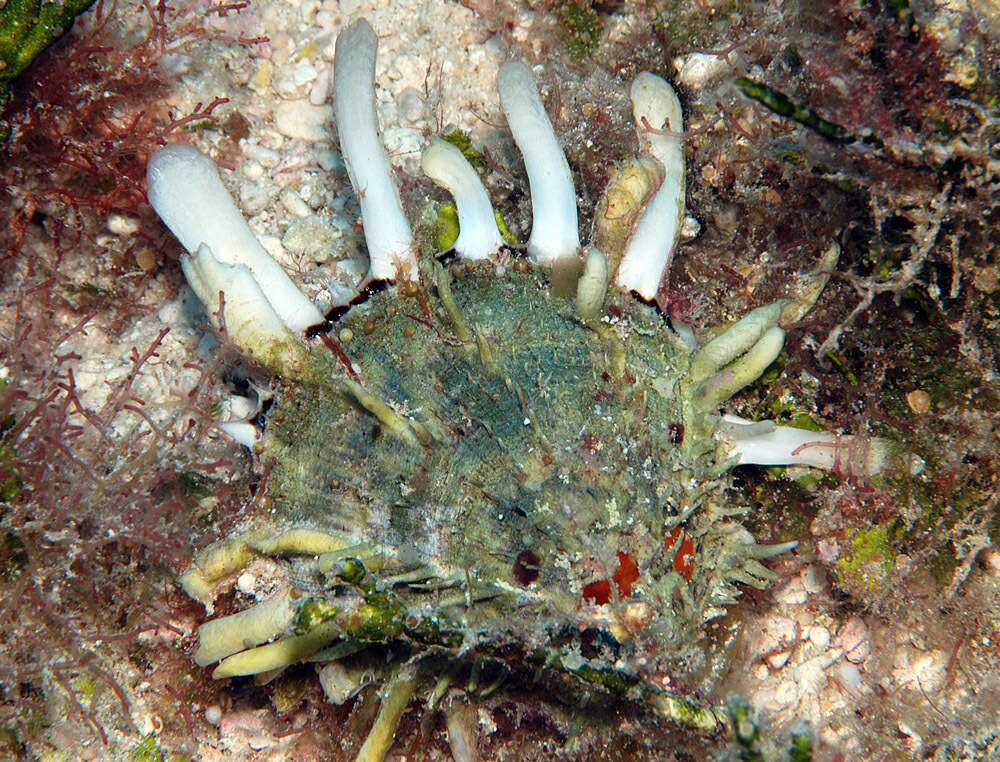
x,y
477,472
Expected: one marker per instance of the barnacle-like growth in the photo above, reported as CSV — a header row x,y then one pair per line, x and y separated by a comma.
x,y
490,472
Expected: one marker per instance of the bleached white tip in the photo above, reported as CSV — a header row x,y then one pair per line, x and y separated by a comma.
x,y
478,235
186,191
391,249
243,432
554,231
765,443
650,248
251,321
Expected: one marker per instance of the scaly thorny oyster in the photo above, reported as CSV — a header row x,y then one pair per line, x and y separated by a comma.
x,y
485,473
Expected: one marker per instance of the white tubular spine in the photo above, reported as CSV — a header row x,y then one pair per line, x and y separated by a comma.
x,y
765,443
650,248
387,233
554,231
186,191
478,236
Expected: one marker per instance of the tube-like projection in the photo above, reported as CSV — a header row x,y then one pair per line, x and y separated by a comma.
x,y
478,235
650,248
716,389
592,287
734,341
554,231
187,193
387,232
765,443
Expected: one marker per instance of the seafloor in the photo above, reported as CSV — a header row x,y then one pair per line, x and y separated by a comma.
x,y
874,124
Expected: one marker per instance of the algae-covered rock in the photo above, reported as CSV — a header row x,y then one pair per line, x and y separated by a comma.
x,y
27,27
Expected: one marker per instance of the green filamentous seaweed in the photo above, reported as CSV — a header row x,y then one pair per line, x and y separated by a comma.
x,y
782,105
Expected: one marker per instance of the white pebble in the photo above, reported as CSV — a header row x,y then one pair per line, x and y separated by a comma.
x,y
819,637
792,594
853,637
337,684
265,156
849,676
785,694
119,224
783,629
778,660
699,69
690,228
331,161
301,119
252,170
320,91
303,74
411,105
213,714
245,583
293,202
814,579
255,197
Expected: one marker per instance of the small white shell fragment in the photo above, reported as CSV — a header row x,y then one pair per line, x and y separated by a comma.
x,y
695,70
337,683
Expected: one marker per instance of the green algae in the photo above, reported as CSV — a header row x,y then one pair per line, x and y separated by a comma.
x,y
781,104
868,561
583,29
27,27
313,612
